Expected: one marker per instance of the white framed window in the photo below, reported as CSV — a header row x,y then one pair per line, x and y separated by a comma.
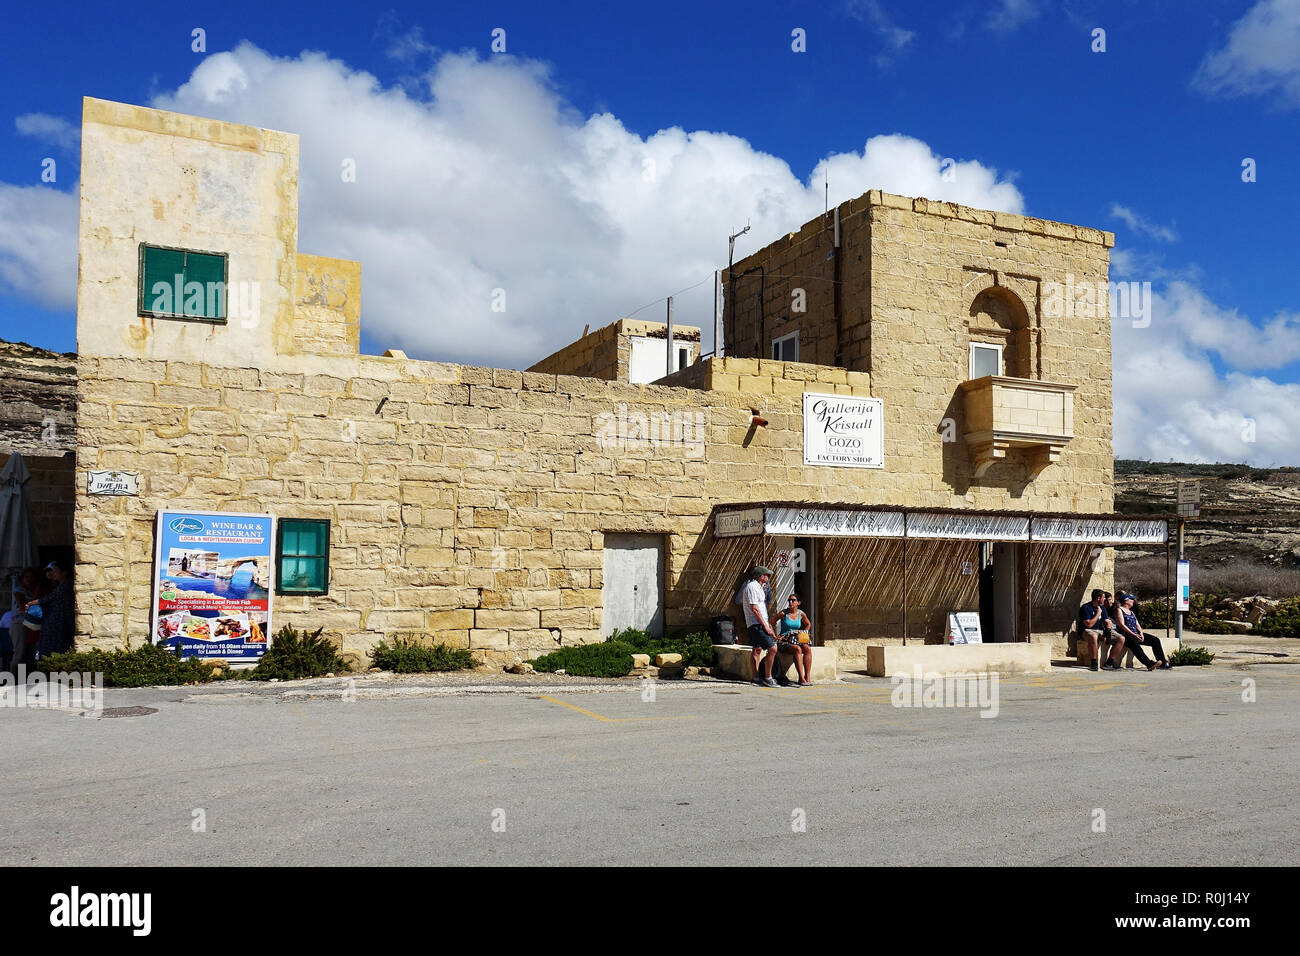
x,y
985,359
683,358
786,348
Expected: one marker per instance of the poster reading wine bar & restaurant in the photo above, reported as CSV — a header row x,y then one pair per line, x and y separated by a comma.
x,y
212,584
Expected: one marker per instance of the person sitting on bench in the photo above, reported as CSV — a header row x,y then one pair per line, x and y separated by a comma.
x,y
1126,623
1096,628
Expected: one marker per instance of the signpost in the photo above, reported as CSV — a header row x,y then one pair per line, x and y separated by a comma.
x,y
1189,506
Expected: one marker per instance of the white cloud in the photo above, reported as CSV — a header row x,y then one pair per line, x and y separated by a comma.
x,y
38,244
1139,224
893,37
1011,15
1172,403
1260,55
52,129
492,180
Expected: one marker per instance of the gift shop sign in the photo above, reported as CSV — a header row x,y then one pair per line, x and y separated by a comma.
x,y
842,431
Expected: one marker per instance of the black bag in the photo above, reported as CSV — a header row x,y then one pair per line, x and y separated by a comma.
x,y
723,630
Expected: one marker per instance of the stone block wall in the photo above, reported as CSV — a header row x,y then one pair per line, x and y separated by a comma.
x,y
469,507
606,352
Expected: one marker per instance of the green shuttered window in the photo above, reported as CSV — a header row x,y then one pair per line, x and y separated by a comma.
x,y
182,284
302,556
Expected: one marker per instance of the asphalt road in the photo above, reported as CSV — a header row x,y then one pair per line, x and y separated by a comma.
x,y
1184,770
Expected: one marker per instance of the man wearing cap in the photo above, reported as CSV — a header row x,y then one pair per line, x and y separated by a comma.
x,y
753,598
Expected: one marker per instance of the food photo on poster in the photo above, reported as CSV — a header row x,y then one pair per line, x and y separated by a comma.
x,y
213,584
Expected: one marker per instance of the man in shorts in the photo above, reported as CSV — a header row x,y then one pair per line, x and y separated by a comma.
x,y
753,597
1096,627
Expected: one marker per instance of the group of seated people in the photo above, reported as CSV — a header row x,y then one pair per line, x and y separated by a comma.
x,y
1105,623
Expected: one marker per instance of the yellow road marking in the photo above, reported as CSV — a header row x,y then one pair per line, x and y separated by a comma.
x,y
609,720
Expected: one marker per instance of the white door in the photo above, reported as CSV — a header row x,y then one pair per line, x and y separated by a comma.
x,y
632,586
648,360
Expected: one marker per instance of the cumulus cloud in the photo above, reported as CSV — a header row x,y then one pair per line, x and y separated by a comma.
x,y
1171,402
52,129
1261,55
38,244
491,180
1142,225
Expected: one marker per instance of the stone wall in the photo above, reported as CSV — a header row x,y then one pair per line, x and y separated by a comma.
x,y
606,352
470,506
914,277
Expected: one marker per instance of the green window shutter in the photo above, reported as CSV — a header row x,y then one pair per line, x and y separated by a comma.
x,y
210,272
165,274
302,558
159,269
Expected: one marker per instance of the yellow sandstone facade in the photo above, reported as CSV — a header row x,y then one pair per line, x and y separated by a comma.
x,y
472,506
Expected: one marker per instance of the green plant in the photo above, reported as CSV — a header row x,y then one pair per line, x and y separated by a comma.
x,y
604,659
1282,621
296,654
410,657
1194,656
143,666
1208,625
1152,614
696,647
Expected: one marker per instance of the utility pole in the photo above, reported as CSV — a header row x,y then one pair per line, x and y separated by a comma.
x,y
731,254
670,337
1189,506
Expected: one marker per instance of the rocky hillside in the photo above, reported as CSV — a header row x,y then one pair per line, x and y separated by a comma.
x,y
1251,514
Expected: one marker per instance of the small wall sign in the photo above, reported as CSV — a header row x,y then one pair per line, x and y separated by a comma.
x,y
113,483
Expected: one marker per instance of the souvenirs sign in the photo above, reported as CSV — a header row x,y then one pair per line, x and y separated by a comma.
x,y
843,431
835,522
212,584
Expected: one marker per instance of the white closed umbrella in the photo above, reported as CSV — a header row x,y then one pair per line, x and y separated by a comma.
x,y
17,539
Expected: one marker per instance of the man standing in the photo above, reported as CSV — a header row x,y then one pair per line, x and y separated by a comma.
x,y
1096,627
753,599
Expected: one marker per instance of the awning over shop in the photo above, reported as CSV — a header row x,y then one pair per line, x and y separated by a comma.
x,y
883,522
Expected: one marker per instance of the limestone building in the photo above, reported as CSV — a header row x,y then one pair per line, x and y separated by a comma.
x,y
921,436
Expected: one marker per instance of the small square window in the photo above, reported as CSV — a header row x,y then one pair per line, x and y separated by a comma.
x,y
182,284
302,556
786,348
985,360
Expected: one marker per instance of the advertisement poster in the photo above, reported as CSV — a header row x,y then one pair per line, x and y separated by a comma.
x,y
212,584
1184,586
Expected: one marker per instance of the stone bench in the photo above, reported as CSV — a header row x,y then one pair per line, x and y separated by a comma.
x,y
1083,656
737,660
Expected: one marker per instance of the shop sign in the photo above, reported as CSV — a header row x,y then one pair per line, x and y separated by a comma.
x,y
843,431
735,524
964,527
1101,530
835,522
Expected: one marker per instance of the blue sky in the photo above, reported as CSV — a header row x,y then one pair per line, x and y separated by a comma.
x,y
1145,139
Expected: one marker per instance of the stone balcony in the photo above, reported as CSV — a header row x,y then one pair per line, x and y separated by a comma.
x,y
1004,413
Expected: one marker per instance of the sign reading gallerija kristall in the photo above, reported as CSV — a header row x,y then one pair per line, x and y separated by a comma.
x,y
843,431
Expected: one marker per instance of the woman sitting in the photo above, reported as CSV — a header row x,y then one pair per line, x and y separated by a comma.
x,y
795,632
1126,623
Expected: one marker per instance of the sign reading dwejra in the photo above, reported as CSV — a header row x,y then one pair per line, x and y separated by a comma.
x,y
212,584
843,431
